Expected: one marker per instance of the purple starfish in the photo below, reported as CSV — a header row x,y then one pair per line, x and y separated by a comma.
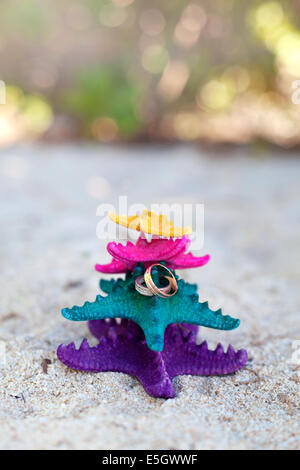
x,y
122,348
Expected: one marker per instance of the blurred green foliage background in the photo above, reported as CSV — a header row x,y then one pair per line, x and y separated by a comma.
x,y
141,70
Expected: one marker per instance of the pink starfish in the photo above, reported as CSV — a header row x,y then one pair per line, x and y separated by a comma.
x,y
173,252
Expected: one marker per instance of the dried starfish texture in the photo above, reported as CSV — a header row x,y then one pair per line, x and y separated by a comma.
x,y
122,348
114,267
171,251
187,260
157,249
152,223
152,314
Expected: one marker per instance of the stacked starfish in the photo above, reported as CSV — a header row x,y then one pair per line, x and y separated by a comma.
x,y
156,338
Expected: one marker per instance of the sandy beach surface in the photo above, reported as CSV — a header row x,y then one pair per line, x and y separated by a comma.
x,y
49,197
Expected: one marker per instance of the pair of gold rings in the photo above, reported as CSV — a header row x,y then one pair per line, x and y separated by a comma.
x,y
146,286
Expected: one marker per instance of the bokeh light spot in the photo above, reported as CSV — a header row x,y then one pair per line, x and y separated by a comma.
x,y
216,94
155,58
187,126
188,29
14,95
152,22
105,129
193,18
269,15
239,76
111,16
173,80
37,114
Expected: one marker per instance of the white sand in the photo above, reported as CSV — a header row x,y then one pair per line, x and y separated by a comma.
x,y
48,239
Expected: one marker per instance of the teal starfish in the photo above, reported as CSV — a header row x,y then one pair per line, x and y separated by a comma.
x,y
152,314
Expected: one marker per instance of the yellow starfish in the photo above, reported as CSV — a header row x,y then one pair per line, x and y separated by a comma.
x,y
150,222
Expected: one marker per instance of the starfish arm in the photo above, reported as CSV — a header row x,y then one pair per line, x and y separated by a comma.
x,y
145,311
114,267
101,308
154,331
132,222
187,289
119,304
187,260
150,222
192,359
120,354
188,309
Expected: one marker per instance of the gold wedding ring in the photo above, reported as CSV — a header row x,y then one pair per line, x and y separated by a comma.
x,y
156,290
144,290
